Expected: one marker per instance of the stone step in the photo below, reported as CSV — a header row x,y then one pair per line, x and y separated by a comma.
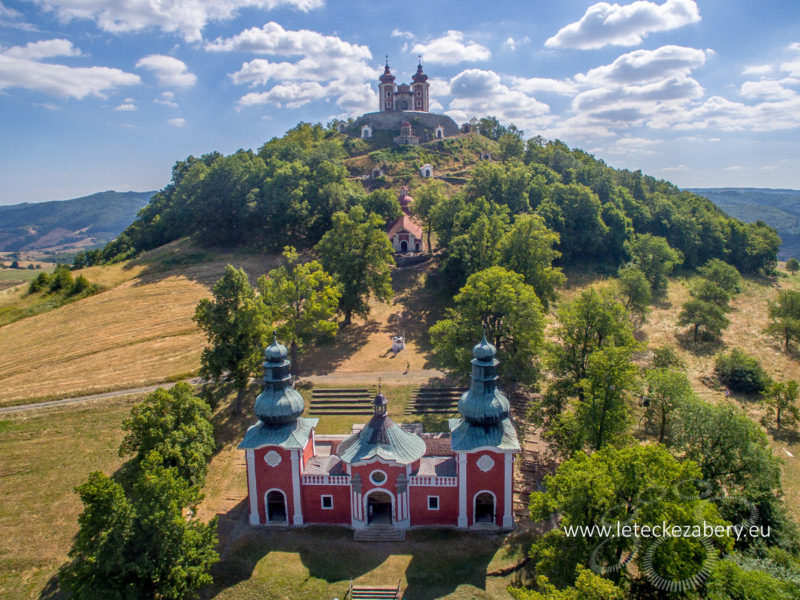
x,y
342,401
379,534
372,593
340,412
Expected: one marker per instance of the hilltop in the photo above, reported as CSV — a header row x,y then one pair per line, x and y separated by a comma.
x,y
68,225
778,208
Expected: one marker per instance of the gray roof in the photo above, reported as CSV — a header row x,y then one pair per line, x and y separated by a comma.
x,y
291,436
324,465
437,466
468,436
382,438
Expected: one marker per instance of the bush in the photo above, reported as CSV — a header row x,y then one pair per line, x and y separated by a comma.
x,y
80,284
740,372
792,265
61,279
41,281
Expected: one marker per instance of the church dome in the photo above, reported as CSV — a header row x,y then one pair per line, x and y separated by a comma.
x,y
387,76
484,351
483,404
275,352
278,403
419,76
382,438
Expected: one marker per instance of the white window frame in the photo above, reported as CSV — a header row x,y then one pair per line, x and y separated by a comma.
x,y
322,502
437,503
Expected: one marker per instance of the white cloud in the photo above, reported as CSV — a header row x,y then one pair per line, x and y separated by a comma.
x,y
721,114
646,65
328,67
533,85
186,17
627,145
177,122
643,98
19,68
43,49
169,71
675,169
766,89
451,49
126,106
12,18
792,67
477,93
512,44
167,99
606,24
402,34
734,168
757,70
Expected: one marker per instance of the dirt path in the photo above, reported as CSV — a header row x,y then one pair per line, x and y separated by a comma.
x,y
414,377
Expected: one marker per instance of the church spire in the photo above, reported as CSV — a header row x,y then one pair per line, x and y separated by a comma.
x,y
484,404
279,403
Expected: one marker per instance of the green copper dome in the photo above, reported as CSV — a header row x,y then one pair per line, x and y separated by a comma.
x,y
279,403
483,404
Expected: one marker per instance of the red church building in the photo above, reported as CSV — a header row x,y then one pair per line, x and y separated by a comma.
x,y
382,474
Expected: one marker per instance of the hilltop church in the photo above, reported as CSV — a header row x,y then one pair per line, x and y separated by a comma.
x,y
382,477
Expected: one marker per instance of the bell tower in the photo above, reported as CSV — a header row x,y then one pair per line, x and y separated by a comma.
x,y
386,89
420,88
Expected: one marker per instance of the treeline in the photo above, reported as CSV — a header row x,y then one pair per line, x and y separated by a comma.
x,y
287,192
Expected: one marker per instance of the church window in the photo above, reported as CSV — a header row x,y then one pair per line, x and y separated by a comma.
x,y
377,477
327,502
433,502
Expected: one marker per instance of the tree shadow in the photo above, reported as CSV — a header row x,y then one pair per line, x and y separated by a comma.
x,y
321,359
787,436
51,590
440,559
705,345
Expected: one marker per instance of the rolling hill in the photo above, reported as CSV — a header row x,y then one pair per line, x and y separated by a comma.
x,y
68,225
776,207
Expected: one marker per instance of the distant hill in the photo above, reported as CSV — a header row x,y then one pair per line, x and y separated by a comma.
x,y
776,207
69,225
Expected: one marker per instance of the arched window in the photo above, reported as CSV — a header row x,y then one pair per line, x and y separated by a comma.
x,y
484,507
276,507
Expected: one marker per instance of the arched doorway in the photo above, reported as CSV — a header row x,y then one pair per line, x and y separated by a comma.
x,y
416,246
276,507
403,246
379,509
484,507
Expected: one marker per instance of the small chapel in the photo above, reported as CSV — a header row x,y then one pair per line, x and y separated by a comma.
x,y
405,233
382,475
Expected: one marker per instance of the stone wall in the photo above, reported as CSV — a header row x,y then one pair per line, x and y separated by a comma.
x,y
423,124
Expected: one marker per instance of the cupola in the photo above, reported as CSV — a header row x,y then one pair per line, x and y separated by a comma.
x,y
278,403
483,404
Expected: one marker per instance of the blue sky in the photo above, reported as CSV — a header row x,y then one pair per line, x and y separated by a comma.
x,y
108,94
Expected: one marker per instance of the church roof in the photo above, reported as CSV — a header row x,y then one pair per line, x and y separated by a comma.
x,y
382,438
406,223
291,436
467,436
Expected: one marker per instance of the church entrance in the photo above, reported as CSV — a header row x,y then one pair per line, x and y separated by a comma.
x,y
379,509
276,507
484,508
404,246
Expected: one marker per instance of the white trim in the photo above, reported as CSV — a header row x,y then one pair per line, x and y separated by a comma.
x,y
508,513
462,489
298,509
266,507
475,506
322,502
382,481
252,492
437,503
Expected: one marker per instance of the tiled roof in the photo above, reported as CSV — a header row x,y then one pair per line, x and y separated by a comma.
x,y
437,466
437,446
324,465
410,224
292,436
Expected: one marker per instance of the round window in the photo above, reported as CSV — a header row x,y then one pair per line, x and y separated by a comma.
x,y
377,477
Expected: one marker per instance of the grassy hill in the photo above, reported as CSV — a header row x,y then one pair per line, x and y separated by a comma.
x,y
776,207
68,225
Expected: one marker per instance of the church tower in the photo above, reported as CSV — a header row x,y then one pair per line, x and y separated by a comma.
x,y
420,89
386,90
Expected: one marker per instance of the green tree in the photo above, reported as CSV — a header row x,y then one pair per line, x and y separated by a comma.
x,y
667,390
427,198
634,289
500,301
573,211
784,317
741,372
637,484
356,251
234,324
710,292
705,316
478,248
528,249
176,424
511,147
603,417
781,401
383,203
302,298
724,275
729,581
588,586
793,265
61,279
665,357
654,256
139,546
40,282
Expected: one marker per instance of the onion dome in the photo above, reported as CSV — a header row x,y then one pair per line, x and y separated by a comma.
x,y
483,404
279,403
404,199
419,76
382,438
387,76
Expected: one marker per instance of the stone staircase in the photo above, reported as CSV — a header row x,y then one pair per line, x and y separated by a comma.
x,y
364,592
341,401
435,400
379,533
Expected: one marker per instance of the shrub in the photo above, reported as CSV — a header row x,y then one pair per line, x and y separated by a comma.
x,y
41,281
61,279
80,284
741,372
792,265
